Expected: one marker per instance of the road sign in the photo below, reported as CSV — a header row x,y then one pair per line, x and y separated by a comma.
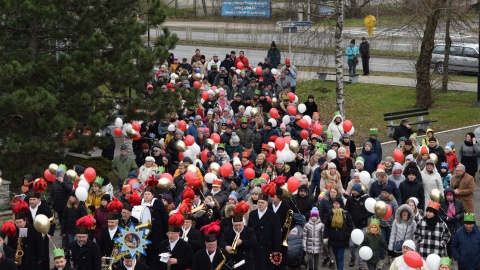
x,y
294,23
302,23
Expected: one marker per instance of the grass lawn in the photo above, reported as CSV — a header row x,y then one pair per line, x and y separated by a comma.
x,y
365,105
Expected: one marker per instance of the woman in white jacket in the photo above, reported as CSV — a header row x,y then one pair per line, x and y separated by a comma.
x,y
403,228
336,127
147,169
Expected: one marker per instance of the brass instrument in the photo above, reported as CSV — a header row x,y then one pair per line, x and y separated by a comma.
x,y
220,265
234,244
287,224
210,214
147,225
198,208
19,252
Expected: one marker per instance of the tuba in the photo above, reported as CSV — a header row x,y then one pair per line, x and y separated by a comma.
x,y
234,244
19,252
287,224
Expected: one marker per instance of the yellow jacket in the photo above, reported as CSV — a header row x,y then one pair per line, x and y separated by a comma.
x,y
95,198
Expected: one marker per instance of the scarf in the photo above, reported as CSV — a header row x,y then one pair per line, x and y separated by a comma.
x,y
431,223
468,143
343,165
337,219
451,209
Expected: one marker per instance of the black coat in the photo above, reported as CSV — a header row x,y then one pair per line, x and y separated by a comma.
x,y
9,252
86,257
201,260
245,250
182,252
60,193
269,237
105,243
195,239
456,222
412,189
32,246
338,237
345,177
70,217
8,264
67,267
357,210
401,131
138,266
311,108
125,224
44,209
303,204
282,213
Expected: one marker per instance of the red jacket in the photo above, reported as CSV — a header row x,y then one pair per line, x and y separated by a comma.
x,y
272,159
249,165
451,160
244,60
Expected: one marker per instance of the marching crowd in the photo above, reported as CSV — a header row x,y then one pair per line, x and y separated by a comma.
x,y
250,178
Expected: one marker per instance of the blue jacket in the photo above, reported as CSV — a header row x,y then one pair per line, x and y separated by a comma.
x,y
376,190
371,160
466,247
193,130
351,51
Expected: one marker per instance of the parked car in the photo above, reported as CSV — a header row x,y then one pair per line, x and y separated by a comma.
x,y
463,58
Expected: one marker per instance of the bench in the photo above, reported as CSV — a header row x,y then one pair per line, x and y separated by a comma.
x,y
422,125
322,76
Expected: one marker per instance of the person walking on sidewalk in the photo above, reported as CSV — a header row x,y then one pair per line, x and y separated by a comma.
x,y
365,54
352,54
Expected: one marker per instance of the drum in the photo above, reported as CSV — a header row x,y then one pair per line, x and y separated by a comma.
x,y
143,214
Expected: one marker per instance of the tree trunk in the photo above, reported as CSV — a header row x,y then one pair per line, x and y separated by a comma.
x,y
338,56
424,88
204,4
448,44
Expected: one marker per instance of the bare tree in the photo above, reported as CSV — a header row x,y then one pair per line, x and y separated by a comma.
x,y
338,56
448,44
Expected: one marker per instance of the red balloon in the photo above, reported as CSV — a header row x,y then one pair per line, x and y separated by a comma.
x,y
259,71
279,143
347,125
292,110
389,212
205,95
138,137
318,129
181,156
117,132
304,134
269,99
132,182
226,169
303,123
287,139
291,96
292,184
249,173
49,176
190,176
239,65
398,155
203,155
213,88
274,113
136,126
189,140
167,175
90,174
413,259
197,84
215,137
182,125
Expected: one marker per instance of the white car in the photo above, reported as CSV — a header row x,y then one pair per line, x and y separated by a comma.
x,y
463,58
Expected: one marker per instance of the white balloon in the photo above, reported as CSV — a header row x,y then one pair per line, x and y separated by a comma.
x,y
351,131
192,168
370,205
308,118
332,154
290,156
365,177
188,153
433,261
273,121
198,162
357,236
238,71
126,127
81,193
298,175
302,108
82,177
195,150
209,177
296,99
365,253
274,71
84,184
118,122
286,119
248,109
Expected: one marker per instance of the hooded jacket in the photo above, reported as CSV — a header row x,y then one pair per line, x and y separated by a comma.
x,y
393,203
336,129
425,140
454,222
395,179
413,189
371,160
303,204
312,239
401,229
356,207
430,182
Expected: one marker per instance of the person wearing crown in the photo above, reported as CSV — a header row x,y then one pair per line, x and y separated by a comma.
x,y
432,234
374,240
445,263
244,244
180,252
106,242
30,239
466,244
212,257
84,253
59,260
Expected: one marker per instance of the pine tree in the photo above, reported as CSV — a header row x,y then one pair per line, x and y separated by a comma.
x,y
66,64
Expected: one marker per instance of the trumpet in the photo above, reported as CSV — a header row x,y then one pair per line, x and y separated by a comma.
x,y
147,225
287,224
234,244
198,208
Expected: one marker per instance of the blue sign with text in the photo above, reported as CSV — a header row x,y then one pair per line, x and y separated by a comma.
x,y
246,8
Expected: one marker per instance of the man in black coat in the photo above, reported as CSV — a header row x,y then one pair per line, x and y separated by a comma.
x,y
61,189
84,253
6,263
159,225
244,245
131,263
108,234
221,258
267,227
31,243
411,187
126,220
302,202
181,254
37,207
8,252
191,235
281,209
403,130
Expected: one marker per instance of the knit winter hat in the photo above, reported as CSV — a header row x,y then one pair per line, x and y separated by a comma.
x,y
388,188
237,162
314,212
106,197
408,142
357,187
410,244
332,165
423,150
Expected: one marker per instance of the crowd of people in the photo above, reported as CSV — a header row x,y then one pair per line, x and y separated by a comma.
x,y
250,178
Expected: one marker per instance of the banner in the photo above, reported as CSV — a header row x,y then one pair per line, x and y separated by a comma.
x,y
246,8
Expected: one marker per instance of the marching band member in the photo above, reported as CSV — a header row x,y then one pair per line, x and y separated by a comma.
x,y
212,257
84,253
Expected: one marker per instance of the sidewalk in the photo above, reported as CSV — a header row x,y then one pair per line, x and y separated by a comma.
x,y
385,80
